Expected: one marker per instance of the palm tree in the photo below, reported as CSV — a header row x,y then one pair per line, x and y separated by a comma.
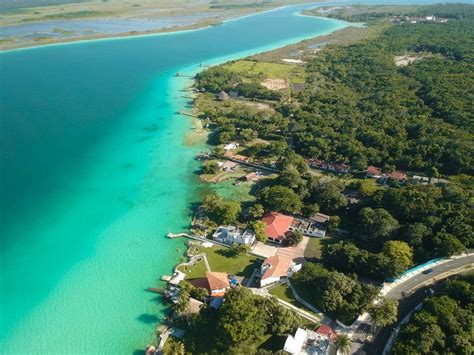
x,y
343,344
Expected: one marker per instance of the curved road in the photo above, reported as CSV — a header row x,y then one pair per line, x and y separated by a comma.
x,y
400,291
410,298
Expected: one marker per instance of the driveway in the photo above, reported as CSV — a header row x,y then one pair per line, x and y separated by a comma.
x,y
296,252
265,250
269,249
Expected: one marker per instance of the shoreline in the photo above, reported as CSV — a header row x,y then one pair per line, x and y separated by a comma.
x,y
200,25
311,32
197,135
200,138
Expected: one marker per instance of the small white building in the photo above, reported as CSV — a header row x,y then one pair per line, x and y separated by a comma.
x,y
231,146
314,226
421,179
228,165
294,344
231,234
307,341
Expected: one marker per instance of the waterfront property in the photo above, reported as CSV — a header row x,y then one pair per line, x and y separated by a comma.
x,y
220,259
218,283
228,165
194,307
231,146
231,234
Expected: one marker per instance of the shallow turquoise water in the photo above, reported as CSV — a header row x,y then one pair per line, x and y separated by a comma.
x,y
94,174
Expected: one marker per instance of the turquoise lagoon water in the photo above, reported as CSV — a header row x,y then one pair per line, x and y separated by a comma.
x,y
94,173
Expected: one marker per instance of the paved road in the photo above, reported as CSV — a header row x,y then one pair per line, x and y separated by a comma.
x,y
409,299
400,291
405,306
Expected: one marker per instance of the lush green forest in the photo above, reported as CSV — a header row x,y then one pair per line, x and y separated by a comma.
x,y
443,325
396,228
373,13
359,108
244,323
342,297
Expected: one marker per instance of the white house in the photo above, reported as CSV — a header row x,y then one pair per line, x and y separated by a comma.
x,y
314,226
231,234
276,268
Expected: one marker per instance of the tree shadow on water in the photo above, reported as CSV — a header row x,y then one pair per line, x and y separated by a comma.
x,y
148,318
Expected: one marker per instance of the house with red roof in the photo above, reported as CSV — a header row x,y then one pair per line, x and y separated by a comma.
x,y
274,269
374,172
398,176
326,331
218,283
277,225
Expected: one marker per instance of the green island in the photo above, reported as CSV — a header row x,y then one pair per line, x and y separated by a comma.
x,y
356,153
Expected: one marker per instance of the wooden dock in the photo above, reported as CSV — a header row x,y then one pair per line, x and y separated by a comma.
x,y
178,235
186,113
156,290
178,74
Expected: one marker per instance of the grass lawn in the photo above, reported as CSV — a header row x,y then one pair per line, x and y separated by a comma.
x,y
305,293
313,249
221,259
283,292
195,271
315,245
263,70
240,193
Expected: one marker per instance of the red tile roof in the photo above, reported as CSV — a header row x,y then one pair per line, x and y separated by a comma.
x,y
240,157
277,266
326,331
398,175
277,224
373,170
217,281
